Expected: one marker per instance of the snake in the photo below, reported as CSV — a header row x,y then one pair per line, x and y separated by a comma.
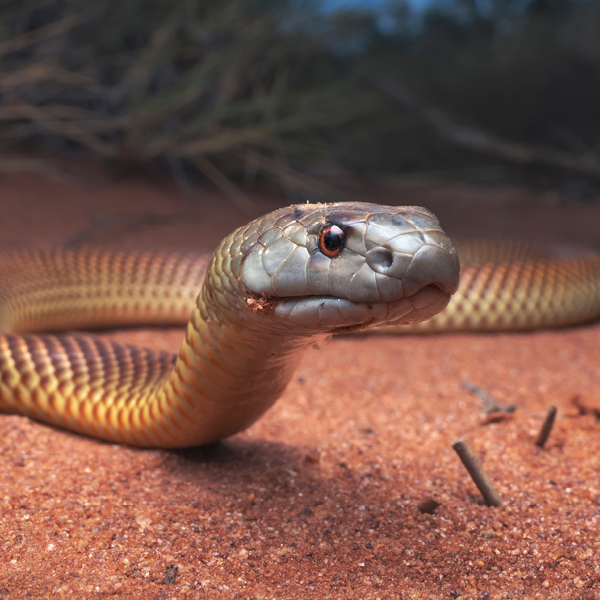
x,y
270,290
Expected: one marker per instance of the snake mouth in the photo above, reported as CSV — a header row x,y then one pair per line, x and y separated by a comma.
x,y
341,315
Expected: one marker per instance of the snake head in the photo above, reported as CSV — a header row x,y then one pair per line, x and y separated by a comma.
x,y
330,268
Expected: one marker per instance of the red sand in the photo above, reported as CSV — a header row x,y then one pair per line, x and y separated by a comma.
x,y
319,498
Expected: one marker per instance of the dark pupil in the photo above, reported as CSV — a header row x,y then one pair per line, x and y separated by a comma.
x,y
333,239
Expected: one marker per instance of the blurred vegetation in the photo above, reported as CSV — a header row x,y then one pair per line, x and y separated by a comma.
x,y
265,91
528,72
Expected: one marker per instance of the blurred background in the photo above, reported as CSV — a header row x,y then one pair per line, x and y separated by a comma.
x,y
320,100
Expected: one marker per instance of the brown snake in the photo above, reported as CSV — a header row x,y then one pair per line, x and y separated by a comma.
x,y
270,289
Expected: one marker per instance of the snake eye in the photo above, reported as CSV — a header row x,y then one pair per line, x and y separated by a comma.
x,y
331,240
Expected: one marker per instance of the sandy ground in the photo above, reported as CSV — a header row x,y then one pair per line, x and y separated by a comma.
x,y
319,498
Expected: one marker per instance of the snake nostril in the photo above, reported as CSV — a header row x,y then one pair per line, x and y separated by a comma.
x,y
380,259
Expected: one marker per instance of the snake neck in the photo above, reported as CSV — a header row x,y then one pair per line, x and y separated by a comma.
x,y
232,366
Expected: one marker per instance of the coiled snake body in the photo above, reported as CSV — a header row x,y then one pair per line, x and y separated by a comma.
x,y
269,290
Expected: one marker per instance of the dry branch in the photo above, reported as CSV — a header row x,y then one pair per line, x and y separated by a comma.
x,y
490,405
43,33
224,184
47,121
290,177
225,139
479,141
42,71
477,472
546,428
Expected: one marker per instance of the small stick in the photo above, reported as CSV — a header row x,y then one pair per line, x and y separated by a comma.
x,y
489,404
546,427
478,475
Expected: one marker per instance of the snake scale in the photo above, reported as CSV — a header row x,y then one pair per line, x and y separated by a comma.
x,y
271,289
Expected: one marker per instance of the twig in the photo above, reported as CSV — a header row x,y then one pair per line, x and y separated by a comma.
x,y
478,475
293,178
223,140
52,112
67,130
489,404
546,427
276,144
181,181
224,184
43,33
43,71
250,169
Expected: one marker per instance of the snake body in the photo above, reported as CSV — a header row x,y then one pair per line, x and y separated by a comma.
x,y
270,290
